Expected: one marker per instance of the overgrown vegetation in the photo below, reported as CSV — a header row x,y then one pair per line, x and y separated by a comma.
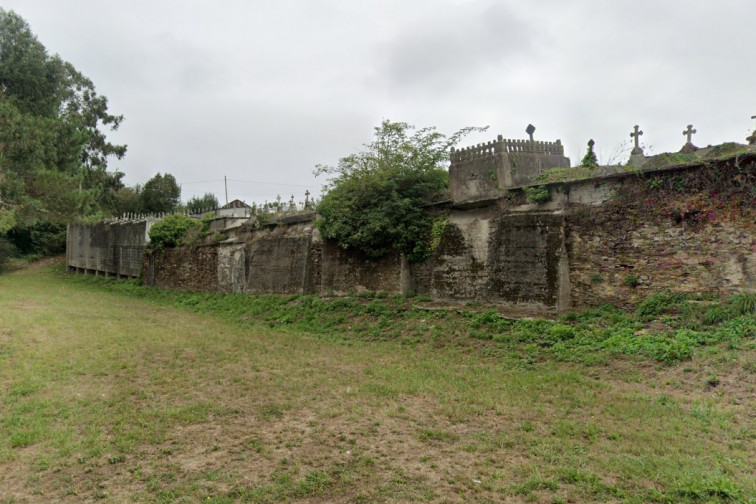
x,y
666,327
369,398
589,161
375,198
669,159
537,194
171,231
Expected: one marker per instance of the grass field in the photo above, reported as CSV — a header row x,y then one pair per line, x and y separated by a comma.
x,y
112,392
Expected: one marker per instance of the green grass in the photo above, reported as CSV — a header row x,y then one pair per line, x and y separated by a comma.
x,y
120,393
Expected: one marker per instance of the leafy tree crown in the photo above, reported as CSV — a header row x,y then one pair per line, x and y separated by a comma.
x,y
375,198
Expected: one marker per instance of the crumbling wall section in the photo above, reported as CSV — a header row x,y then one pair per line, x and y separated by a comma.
x,y
690,230
344,271
191,268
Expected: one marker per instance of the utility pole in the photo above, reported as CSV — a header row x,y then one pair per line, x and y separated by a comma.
x,y
225,183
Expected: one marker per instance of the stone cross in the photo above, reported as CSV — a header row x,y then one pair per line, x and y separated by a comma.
x,y
689,132
635,134
307,195
530,130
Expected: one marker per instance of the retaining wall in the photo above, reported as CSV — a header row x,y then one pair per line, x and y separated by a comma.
x,y
607,240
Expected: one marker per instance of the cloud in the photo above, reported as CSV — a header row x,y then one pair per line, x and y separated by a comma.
x,y
452,46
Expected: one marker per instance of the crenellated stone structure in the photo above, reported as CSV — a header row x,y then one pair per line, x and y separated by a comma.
x,y
486,171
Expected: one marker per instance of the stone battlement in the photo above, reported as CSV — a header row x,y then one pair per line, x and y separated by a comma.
x,y
502,145
485,171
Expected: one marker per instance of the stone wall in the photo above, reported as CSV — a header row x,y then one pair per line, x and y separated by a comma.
x,y
692,229
345,271
108,248
612,239
191,268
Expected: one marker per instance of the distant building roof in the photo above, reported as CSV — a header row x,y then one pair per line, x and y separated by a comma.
x,y
235,204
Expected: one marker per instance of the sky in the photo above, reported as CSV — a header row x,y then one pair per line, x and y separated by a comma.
x,y
260,92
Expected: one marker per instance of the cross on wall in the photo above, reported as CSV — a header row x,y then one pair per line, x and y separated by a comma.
x,y
635,134
689,132
530,130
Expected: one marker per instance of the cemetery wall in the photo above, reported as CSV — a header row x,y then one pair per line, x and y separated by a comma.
x,y
691,229
612,239
515,258
107,248
345,271
191,268
277,260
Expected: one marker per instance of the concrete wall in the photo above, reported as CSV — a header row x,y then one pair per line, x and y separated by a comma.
x,y
278,260
108,248
345,271
515,258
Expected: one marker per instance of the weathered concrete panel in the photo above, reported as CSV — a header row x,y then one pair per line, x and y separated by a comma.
x,y
514,258
277,260
232,270
459,271
108,248
525,252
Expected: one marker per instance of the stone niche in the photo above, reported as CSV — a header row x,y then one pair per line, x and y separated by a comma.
x,y
485,171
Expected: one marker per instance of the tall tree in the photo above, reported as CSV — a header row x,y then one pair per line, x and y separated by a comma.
x,y
53,151
160,194
206,202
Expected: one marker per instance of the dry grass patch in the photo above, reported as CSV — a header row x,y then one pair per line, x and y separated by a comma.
x,y
112,398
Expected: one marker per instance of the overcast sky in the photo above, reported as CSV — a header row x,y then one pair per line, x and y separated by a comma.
x,y
262,91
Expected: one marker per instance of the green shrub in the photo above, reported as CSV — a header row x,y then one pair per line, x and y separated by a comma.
x,y
631,281
171,230
538,194
376,199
